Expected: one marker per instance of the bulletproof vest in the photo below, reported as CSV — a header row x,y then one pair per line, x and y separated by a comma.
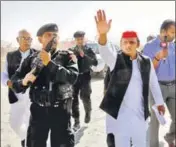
x,y
46,93
119,82
13,60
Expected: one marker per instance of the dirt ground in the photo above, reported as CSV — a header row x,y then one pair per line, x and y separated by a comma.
x,y
91,135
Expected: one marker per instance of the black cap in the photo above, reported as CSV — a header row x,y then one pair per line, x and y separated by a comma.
x,y
50,27
79,34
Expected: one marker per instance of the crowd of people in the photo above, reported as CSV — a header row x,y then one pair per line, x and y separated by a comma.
x,y
44,86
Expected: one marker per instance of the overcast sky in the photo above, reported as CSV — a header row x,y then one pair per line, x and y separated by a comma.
x,y
145,17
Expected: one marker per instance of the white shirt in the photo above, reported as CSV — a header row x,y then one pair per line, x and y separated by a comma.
x,y
5,75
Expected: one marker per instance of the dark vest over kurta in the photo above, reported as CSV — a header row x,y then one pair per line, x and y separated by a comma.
x,y
120,79
13,61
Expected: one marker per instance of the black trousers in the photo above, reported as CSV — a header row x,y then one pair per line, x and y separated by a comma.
x,y
54,119
82,86
110,140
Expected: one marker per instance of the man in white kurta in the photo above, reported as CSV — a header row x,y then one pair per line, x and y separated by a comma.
x,y
130,123
19,111
131,113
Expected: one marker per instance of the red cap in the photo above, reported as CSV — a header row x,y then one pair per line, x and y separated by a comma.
x,y
129,34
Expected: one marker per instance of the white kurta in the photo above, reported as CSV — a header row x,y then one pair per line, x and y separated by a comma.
x,y
19,111
130,123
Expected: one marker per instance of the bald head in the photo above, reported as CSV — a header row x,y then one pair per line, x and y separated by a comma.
x,y
24,40
23,31
150,37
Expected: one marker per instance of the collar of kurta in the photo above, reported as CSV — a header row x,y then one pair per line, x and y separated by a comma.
x,y
138,58
29,50
24,53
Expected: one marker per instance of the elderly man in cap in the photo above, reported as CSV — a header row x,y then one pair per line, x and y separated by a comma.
x,y
126,99
86,58
19,110
50,90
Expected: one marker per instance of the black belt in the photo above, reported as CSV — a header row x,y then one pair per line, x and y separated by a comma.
x,y
167,83
62,103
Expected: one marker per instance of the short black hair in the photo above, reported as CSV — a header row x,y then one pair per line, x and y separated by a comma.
x,y
166,24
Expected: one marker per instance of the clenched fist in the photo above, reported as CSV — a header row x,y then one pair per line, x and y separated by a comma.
x,y
28,78
45,57
73,58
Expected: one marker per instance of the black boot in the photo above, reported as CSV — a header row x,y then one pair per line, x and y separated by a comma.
x,y
76,126
23,143
87,108
87,117
110,140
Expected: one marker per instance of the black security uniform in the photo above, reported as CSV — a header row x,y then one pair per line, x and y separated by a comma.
x,y
51,97
83,84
